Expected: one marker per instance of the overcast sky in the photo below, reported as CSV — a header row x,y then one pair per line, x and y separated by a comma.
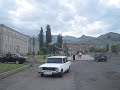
x,y
67,17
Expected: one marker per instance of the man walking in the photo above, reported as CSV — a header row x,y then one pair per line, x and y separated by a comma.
x,y
80,54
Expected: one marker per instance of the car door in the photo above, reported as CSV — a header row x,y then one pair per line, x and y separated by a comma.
x,y
65,64
12,58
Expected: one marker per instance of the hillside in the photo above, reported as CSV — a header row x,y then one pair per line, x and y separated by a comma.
x,y
101,40
85,38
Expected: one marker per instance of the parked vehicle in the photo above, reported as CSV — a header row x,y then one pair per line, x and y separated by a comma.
x,y
100,57
55,65
16,57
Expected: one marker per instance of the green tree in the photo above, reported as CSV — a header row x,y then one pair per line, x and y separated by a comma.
x,y
60,40
92,49
114,48
107,47
41,39
48,35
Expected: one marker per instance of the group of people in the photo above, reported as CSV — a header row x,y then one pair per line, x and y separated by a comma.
x,y
79,54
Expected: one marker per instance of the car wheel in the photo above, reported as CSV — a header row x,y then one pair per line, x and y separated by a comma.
x,y
61,73
42,75
2,61
98,60
105,60
20,62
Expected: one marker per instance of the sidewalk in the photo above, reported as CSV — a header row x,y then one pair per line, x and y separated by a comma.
x,y
83,57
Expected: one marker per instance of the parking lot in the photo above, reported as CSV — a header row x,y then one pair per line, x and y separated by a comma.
x,y
84,75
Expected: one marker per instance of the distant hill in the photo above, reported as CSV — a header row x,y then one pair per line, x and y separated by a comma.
x,y
85,38
70,38
105,38
113,36
101,40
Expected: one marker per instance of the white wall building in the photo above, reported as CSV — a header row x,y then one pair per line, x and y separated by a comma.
x,y
13,41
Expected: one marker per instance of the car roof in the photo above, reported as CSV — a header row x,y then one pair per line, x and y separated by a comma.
x,y
57,57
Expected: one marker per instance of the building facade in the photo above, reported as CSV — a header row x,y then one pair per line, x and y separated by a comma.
x,y
77,46
13,41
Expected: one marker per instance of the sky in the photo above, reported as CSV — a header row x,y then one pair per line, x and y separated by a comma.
x,y
66,17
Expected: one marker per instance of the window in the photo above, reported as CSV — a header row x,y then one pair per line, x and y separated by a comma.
x,y
54,60
64,60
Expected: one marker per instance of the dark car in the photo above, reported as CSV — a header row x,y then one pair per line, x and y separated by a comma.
x,y
100,57
17,58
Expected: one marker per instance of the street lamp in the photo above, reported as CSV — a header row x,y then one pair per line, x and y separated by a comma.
x,y
33,46
109,37
65,47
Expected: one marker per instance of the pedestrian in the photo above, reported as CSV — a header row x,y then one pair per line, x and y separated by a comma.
x,y
80,54
73,56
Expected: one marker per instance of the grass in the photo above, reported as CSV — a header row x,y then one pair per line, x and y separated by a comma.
x,y
9,67
38,58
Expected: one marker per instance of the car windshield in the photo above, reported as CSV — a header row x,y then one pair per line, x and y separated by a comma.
x,y
101,54
54,60
17,54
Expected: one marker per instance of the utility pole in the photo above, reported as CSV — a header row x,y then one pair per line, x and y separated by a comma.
x,y
33,46
109,37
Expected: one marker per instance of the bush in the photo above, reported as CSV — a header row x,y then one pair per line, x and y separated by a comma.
x,y
29,54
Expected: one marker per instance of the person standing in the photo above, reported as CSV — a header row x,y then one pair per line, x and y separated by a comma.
x,y
80,54
73,56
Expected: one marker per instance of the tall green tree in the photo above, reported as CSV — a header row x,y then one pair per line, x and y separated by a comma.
x,y
48,35
114,48
107,47
41,37
60,40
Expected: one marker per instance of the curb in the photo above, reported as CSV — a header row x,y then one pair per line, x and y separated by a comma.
x,y
12,72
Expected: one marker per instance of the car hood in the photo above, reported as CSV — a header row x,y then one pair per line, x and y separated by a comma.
x,y
51,65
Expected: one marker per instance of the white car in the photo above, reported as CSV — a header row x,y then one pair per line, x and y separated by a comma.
x,y
55,65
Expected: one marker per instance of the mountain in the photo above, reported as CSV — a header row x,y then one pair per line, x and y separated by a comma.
x,y
106,38
70,39
85,38
111,35
100,41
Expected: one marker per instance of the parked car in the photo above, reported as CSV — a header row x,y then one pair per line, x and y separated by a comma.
x,y
15,57
100,57
55,65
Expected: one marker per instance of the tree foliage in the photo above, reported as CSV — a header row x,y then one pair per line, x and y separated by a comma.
x,y
41,38
48,35
114,48
60,40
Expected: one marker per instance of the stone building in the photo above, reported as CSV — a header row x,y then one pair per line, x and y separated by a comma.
x,y
77,46
13,41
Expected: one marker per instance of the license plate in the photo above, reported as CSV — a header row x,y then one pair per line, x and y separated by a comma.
x,y
48,73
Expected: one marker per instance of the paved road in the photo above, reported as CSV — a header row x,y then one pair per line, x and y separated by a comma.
x,y
84,75
83,57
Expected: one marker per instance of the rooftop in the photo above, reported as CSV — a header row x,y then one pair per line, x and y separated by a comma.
x,y
57,57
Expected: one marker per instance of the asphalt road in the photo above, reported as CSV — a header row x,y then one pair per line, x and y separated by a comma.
x,y
84,75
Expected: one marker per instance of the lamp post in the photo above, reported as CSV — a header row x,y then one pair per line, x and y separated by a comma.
x,y
109,37
33,46
33,52
65,47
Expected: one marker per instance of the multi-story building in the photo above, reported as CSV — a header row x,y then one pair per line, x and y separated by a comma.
x,y
13,41
77,46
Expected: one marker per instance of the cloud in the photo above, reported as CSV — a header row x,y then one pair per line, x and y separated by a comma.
x,y
68,17
110,3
